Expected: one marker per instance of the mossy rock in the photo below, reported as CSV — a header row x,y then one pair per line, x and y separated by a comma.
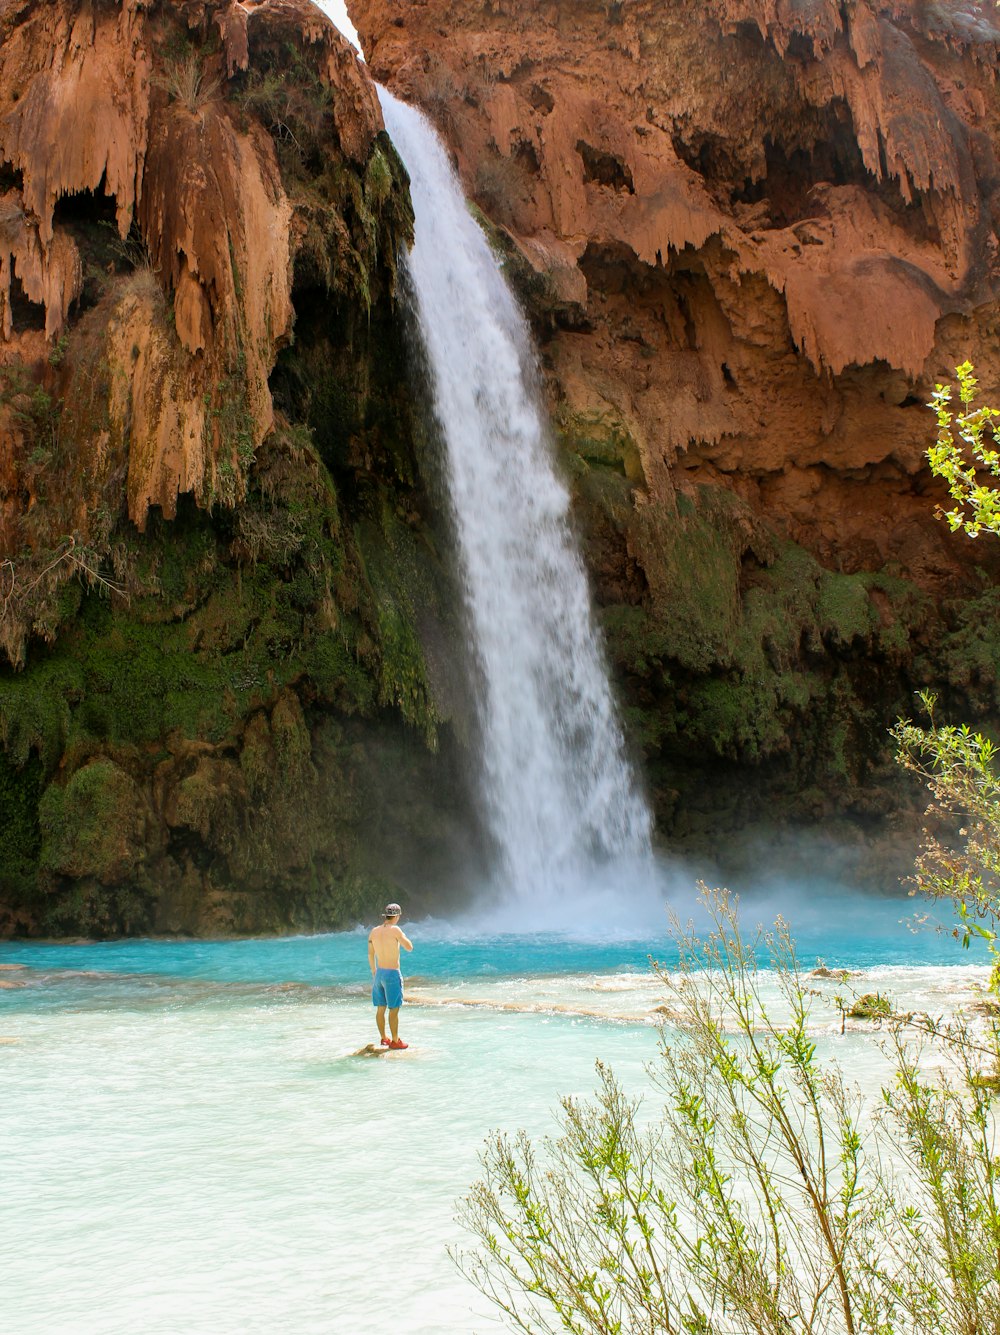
x,y
871,1006
213,686
93,827
741,636
600,440
20,832
534,290
210,803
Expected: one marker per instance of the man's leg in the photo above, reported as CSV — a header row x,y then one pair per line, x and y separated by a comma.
x,y
380,1021
394,1023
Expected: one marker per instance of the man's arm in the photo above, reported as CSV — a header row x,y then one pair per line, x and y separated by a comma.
x,y
404,940
371,955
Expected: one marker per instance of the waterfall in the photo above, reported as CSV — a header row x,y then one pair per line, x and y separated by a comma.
x,y
559,796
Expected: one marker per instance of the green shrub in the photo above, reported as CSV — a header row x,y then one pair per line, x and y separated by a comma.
x,y
765,1199
959,767
969,467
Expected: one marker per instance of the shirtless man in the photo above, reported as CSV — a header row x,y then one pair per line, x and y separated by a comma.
x,y
387,980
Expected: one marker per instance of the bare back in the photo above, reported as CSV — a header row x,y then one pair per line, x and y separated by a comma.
x,y
385,942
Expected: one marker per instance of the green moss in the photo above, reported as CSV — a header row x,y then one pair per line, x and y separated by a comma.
x,y
637,649
92,826
380,177
338,676
694,613
746,714
844,609
534,289
213,639
91,909
292,743
36,710
745,647
600,440
20,833
972,652
396,564
233,424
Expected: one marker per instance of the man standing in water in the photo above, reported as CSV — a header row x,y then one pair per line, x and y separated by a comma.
x,y
387,980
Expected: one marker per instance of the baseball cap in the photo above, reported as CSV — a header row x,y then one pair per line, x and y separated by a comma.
x,y
391,911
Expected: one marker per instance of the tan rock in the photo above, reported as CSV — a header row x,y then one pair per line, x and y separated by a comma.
x,y
50,275
74,98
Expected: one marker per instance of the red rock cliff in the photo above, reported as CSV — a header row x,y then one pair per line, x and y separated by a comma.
x,y
125,118
752,234
765,228
217,562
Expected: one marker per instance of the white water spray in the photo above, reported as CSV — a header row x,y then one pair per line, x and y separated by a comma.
x,y
559,795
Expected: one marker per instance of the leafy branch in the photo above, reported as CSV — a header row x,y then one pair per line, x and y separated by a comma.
x,y
766,1197
963,465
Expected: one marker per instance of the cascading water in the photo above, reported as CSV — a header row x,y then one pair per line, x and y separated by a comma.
x,y
559,796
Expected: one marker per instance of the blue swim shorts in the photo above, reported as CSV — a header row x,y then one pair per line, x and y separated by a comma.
x,y
387,988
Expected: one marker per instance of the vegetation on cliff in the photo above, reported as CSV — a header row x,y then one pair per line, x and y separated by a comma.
x,y
752,672
220,712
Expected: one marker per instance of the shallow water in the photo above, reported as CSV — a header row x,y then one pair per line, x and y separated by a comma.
x,y
190,1143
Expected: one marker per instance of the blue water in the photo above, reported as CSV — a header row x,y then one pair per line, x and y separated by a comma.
x,y
194,1141
844,932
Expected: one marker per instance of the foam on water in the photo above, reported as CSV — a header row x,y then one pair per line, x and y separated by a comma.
x,y
191,1145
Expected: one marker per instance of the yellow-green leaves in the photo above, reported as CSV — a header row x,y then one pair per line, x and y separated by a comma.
x,y
964,456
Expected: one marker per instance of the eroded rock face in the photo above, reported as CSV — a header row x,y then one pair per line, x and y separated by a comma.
x,y
752,234
142,118
771,223
216,552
